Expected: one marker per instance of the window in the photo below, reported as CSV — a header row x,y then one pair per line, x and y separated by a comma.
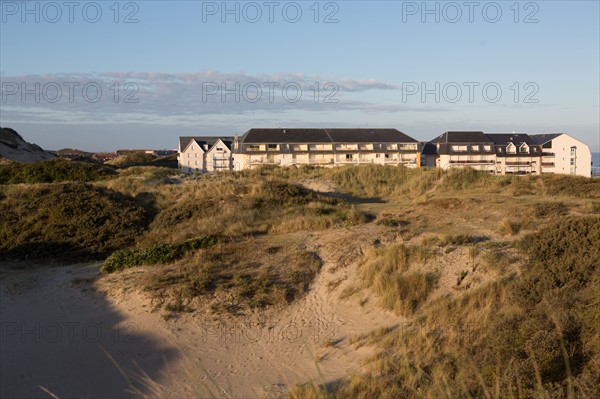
x,y
387,155
195,155
511,149
196,163
253,147
348,156
475,147
272,146
572,161
487,148
573,151
219,148
377,155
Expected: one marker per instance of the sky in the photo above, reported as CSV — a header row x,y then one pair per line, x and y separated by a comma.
x,y
106,75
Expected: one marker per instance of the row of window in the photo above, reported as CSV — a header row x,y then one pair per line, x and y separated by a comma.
x,y
326,147
510,149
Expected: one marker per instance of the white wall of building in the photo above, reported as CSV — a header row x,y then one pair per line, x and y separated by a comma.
x,y
570,157
192,158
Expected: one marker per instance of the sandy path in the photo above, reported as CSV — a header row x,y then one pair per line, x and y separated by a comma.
x,y
53,332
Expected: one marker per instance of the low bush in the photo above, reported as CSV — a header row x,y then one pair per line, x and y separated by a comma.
x,y
157,254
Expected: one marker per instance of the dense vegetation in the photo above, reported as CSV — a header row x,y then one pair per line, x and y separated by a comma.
x,y
66,221
53,171
143,159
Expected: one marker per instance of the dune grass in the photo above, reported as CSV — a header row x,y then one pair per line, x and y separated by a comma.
x,y
66,221
533,335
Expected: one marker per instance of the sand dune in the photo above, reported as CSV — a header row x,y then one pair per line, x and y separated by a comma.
x,y
61,326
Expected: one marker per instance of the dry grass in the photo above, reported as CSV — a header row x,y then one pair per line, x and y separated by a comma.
x,y
234,277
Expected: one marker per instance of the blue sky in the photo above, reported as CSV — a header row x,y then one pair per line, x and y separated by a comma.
x,y
494,66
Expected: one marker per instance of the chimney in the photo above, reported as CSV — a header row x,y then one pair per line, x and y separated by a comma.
x,y
236,140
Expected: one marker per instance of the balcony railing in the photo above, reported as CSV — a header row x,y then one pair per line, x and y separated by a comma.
x,y
518,164
473,162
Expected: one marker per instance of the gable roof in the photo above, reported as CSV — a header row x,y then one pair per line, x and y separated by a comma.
x,y
184,141
226,143
274,136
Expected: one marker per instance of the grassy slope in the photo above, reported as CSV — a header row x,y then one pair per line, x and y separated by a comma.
x,y
500,328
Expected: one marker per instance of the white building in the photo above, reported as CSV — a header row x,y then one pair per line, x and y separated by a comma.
x,y
284,147
563,154
509,153
205,154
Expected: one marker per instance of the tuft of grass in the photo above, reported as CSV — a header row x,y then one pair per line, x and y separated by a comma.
x,y
510,227
457,239
550,209
404,293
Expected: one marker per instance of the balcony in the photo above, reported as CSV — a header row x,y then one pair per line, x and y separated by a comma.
x,y
518,163
473,162
547,164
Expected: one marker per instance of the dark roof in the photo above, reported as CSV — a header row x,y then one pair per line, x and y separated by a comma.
x,y
210,140
369,136
544,138
275,136
515,138
462,137
429,149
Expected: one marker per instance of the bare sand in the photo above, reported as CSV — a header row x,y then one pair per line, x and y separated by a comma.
x,y
74,333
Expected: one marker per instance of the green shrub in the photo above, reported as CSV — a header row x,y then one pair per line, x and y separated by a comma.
x,y
157,254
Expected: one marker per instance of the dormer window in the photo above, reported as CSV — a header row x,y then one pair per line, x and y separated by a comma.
x,y
511,149
524,148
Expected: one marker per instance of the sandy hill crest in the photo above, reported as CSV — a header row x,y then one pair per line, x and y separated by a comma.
x,y
13,147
